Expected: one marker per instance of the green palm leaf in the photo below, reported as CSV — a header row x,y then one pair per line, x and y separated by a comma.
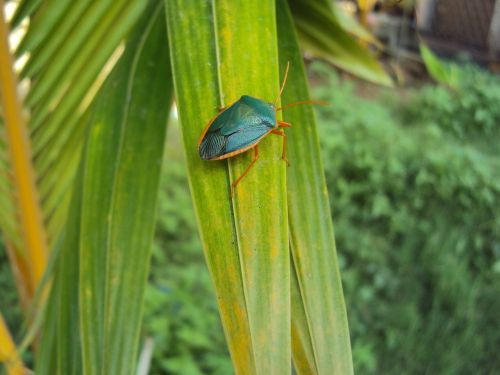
x,y
320,333
67,44
218,54
323,34
102,271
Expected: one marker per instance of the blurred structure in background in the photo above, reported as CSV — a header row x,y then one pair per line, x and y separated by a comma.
x,y
461,26
469,29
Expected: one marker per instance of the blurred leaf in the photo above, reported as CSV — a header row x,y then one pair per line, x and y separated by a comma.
x,y
105,256
25,9
222,50
120,184
42,20
60,351
324,36
441,71
21,217
319,321
8,356
353,27
66,44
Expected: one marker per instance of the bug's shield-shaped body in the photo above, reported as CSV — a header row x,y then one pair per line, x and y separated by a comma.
x,y
237,128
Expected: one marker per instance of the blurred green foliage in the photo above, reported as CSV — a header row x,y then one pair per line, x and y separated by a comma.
x,y
9,303
470,110
416,207
414,179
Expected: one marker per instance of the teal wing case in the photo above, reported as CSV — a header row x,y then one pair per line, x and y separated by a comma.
x,y
238,127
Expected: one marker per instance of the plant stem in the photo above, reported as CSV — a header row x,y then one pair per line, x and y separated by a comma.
x,y
33,231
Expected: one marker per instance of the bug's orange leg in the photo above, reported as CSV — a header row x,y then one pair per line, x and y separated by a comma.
x,y
283,124
255,157
281,133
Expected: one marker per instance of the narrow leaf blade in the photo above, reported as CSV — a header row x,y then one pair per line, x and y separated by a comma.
x,y
324,36
260,211
320,333
120,182
221,52
194,58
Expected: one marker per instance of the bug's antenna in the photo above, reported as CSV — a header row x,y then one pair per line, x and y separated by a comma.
x,y
320,102
283,84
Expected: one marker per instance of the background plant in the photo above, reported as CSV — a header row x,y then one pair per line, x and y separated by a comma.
x,y
415,192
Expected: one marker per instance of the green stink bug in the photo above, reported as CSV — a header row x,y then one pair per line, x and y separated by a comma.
x,y
241,126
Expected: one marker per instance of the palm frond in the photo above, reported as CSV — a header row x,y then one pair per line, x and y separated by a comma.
x,y
8,352
66,44
106,248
